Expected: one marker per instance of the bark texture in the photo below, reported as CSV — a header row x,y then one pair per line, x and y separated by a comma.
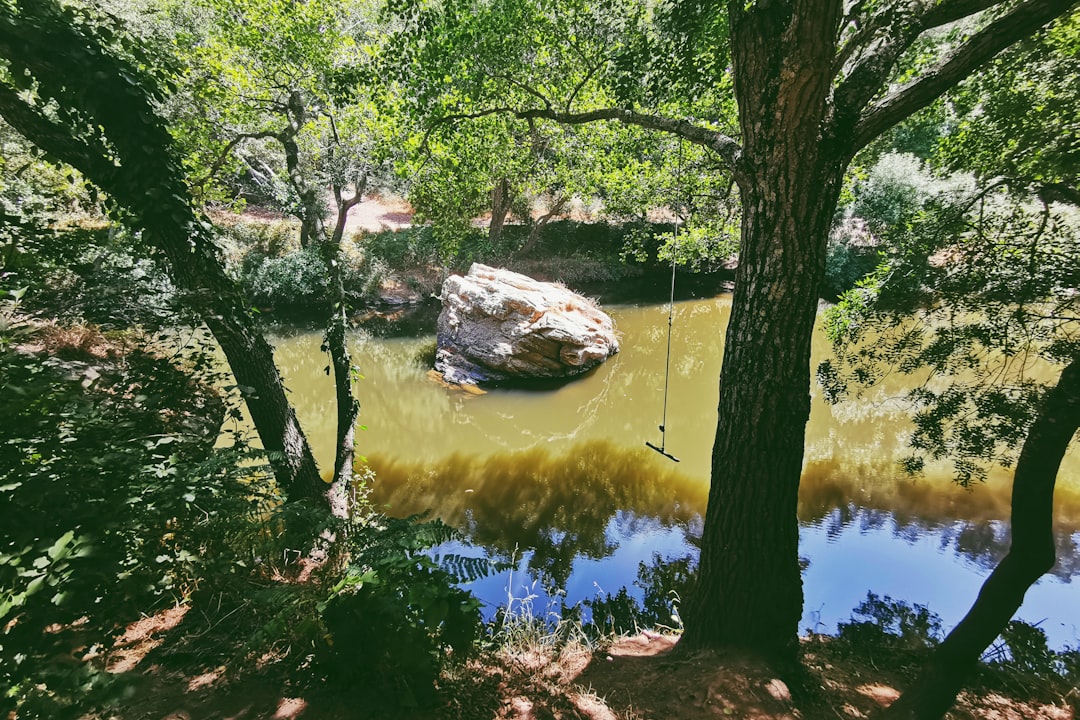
x,y
749,588
1031,554
813,86
348,407
502,199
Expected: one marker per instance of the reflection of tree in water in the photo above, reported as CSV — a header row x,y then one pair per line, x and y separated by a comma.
x,y
983,542
664,583
856,488
559,506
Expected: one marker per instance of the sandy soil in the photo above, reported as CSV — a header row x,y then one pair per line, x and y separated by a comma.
x,y
376,213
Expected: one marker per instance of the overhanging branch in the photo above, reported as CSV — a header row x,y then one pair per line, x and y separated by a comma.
x,y
933,17
58,142
1023,21
726,147
224,155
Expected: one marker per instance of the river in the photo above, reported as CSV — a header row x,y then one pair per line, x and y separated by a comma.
x,y
559,482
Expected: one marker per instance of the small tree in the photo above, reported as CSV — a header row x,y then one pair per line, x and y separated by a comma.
x,y
980,293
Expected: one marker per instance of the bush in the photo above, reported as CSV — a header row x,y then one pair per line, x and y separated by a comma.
x,y
111,502
846,265
295,279
396,613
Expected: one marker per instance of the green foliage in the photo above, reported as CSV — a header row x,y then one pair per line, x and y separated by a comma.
x,y
1017,118
296,279
112,504
846,265
882,206
101,275
404,249
397,610
975,299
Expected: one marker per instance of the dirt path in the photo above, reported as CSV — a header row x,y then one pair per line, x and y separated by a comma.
x,y
376,213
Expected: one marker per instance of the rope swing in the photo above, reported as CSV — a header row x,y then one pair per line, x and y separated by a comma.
x,y
670,319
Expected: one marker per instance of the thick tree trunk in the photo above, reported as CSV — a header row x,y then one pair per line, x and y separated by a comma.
x,y
1030,555
749,588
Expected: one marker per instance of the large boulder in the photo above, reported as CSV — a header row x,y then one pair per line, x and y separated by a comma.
x,y
500,325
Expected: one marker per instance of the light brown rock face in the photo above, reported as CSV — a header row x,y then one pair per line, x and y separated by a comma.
x,y
497,325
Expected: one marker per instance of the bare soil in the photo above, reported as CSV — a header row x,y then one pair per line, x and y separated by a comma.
x,y
634,678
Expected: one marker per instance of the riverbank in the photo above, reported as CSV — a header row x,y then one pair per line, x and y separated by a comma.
x,y
392,265
530,675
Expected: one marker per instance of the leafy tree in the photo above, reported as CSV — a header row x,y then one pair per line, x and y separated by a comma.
x,y
279,88
1016,120
980,292
814,83
78,88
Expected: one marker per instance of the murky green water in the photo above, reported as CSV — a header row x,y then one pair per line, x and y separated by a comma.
x,y
560,479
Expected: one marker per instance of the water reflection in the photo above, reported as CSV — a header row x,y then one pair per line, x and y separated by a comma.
x,y
560,507
560,483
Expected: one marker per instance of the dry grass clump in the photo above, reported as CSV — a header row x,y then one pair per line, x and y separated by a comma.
x,y
77,342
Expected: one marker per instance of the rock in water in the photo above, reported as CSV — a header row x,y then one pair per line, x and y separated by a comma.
x,y
497,325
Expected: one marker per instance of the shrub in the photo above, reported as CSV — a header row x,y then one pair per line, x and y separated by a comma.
x,y
111,502
295,279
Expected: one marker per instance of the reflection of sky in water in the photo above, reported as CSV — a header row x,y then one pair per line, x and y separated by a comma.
x,y
926,569
633,540
846,560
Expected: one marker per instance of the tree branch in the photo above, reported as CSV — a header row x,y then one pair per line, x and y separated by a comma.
x,y
1023,21
228,149
726,147
60,143
893,32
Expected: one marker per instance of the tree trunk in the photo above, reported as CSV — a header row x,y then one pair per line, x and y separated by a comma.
x,y
142,173
310,211
348,407
538,226
748,591
1030,555
749,586
502,196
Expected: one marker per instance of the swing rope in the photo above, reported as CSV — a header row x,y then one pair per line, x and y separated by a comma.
x,y
670,319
